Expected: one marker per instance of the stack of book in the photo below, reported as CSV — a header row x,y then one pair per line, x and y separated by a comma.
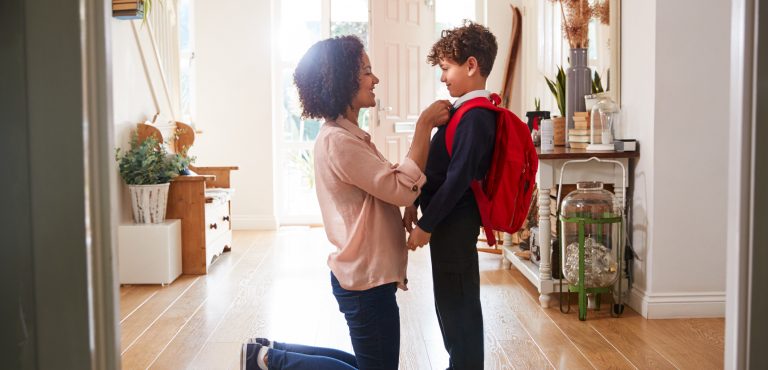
x,y
128,9
578,136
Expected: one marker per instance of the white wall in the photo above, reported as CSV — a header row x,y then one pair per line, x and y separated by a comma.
x,y
497,16
675,78
638,67
132,98
234,102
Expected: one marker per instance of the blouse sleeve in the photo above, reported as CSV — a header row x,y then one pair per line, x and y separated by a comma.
x,y
357,163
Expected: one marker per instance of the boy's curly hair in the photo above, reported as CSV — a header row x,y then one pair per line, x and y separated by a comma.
x,y
328,76
460,43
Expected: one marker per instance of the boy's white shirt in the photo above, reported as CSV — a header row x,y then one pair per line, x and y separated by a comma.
x,y
469,96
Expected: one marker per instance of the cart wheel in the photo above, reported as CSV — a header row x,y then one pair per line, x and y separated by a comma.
x,y
618,308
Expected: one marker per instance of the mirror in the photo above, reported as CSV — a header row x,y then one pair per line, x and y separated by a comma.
x,y
605,50
604,45
545,48
612,50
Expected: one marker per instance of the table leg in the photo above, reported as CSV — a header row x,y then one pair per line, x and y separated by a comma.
x,y
505,263
545,246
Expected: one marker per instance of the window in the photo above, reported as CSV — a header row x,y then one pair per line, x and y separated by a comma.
x,y
302,23
186,58
449,14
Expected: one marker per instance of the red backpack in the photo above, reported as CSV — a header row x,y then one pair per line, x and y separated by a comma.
x,y
504,196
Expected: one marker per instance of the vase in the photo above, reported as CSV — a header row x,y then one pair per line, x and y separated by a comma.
x,y
578,84
149,203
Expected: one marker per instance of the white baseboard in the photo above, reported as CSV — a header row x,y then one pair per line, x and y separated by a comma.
x,y
253,222
677,305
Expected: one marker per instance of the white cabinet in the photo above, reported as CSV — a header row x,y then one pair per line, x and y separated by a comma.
x,y
149,253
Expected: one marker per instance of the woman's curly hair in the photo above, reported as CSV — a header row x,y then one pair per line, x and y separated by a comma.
x,y
328,76
460,43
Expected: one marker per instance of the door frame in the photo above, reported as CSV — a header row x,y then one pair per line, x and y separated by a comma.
x,y
748,170
63,186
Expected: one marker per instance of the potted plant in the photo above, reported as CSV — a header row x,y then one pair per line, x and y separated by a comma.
x,y
147,168
597,92
557,87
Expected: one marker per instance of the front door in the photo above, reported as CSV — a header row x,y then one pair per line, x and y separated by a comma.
x,y
402,33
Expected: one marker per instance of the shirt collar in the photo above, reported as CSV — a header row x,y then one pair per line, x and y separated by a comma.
x,y
352,128
470,95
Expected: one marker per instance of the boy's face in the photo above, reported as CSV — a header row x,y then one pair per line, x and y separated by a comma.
x,y
365,97
456,77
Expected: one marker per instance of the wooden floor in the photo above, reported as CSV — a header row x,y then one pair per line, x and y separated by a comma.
x,y
276,284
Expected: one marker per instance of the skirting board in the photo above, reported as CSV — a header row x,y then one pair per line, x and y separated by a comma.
x,y
252,222
678,305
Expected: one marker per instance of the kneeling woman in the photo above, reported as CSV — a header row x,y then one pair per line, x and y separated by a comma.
x,y
360,193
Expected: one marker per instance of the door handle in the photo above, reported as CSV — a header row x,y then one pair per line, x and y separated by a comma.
x,y
379,110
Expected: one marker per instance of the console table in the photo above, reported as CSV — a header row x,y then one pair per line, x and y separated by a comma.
x,y
550,163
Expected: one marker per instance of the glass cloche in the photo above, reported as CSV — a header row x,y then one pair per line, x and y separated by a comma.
x,y
593,207
604,121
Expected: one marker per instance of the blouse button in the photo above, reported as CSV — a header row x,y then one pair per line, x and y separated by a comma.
x,y
415,188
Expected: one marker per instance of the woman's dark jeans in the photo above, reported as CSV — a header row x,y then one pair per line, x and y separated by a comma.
x,y
374,324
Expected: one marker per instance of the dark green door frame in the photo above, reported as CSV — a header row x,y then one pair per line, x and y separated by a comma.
x,y
56,268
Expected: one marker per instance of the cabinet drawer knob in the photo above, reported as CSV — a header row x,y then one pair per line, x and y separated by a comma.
x,y
225,218
213,226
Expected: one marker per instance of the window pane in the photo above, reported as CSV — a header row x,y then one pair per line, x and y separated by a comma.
x,y
185,30
350,17
186,57
298,187
363,119
295,129
186,87
299,28
449,14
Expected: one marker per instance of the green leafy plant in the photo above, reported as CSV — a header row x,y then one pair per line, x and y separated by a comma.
x,y
149,163
557,87
537,104
597,83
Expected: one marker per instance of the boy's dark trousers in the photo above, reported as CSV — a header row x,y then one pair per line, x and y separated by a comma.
x,y
456,282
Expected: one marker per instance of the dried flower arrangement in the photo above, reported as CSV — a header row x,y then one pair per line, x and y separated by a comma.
x,y
576,17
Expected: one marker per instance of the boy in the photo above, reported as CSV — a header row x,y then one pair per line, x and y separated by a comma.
x,y
450,219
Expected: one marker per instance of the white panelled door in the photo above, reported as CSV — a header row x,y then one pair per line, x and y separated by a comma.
x,y
401,35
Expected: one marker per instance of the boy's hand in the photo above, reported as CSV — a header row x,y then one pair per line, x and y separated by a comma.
x,y
436,114
409,217
418,238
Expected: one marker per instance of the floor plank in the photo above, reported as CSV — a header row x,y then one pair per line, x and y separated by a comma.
x,y
226,275
276,284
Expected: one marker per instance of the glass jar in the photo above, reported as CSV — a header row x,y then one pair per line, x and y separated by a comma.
x,y
592,208
604,119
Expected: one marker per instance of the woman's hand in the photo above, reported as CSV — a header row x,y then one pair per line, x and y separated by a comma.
x,y
418,238
436,114
409,217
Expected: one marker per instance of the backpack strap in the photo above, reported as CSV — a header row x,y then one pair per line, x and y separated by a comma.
x,y
450,131
483,203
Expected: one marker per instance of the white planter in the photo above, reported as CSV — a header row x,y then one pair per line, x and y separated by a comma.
x,y
149,202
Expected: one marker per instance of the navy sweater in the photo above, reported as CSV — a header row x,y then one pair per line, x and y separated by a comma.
x,y
449,177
